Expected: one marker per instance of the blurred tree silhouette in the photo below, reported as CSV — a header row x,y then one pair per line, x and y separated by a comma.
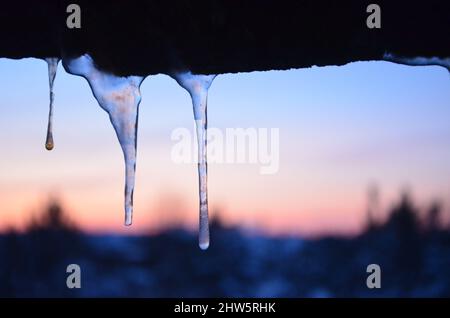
x,y
433,221
373,208
404,217
412,252
52,218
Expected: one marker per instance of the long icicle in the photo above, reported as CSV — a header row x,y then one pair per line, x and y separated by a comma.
x,y
120,98
197,86
52,63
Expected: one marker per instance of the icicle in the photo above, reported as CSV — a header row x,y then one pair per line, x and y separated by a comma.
x,y
418,60
197,86
52,63
120,98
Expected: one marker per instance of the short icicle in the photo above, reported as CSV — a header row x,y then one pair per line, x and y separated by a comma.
x,y
120,98
197,86
52,63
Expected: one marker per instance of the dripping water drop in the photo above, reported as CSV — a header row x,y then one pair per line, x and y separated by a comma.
x,y
52,64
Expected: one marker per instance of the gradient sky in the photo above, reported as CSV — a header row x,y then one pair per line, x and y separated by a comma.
x,y
341,129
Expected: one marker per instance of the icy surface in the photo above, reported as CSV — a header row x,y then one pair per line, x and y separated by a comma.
x,y
418,61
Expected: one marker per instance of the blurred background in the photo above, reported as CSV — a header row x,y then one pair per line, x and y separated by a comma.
x,y
364,178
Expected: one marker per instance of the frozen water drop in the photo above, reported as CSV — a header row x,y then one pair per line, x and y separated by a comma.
x,y
203,245
52,63
197,86
120,98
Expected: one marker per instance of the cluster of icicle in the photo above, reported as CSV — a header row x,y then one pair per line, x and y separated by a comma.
x,y
120,98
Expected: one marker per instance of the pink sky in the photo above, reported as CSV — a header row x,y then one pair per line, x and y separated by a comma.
x,y
338,134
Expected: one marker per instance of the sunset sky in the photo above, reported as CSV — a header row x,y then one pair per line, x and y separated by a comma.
x,y
341,129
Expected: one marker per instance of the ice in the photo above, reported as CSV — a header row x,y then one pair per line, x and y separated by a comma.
x,y
120,98
418,60
52,63
198,86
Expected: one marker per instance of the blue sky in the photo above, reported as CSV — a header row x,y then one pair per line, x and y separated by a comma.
x,y
341,128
